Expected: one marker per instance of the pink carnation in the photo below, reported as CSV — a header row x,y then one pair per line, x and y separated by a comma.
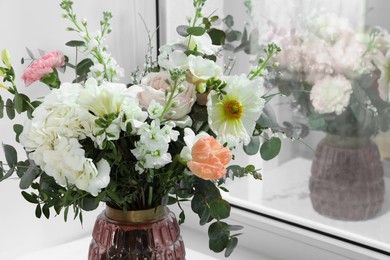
x,y
43,66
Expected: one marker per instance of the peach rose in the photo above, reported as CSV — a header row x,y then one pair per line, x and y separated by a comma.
x,y
209,159
154,86
43,66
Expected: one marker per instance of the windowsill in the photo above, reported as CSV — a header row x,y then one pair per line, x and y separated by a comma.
x,y
288,199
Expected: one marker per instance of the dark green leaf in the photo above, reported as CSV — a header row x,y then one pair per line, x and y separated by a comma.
x,y
253,147
81,217
196,31
18,101
182,217
89,203
218,236
219,209
46,211
10,155
83,67
270,148
182,30
30,198
75,43
28,177
66,213
217,36
1,107
8,174
18,129
10,109
230,246
38,211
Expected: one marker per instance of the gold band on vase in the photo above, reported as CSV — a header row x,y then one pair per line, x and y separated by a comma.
x,y
135,216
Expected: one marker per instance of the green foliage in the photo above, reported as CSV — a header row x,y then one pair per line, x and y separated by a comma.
x,y
270,148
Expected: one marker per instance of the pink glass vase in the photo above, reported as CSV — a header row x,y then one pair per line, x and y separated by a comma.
x,y
135,235
346,180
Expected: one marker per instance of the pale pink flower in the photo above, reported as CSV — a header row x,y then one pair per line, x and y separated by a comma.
x,y
154,86
43,66
209,159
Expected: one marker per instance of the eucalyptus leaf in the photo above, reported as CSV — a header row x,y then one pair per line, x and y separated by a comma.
x,y
18,129
29,197
10,109
196,31
38,211
182,30
1,107
219,208
217,36
231,245
8,174
46,211
18,101
228,20
11,155
75,43
253,147
28,177
83,67
29,52
218,237
270,148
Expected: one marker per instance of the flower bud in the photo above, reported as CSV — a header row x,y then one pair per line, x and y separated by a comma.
x,y
175,103
201,88
6,57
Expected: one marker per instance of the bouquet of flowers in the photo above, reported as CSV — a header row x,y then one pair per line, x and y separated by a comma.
x,y
168,136
338,77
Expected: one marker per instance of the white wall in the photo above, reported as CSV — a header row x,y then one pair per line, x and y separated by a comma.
x,y
38,25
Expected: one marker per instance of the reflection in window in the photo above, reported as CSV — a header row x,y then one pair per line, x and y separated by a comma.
x,y
334,74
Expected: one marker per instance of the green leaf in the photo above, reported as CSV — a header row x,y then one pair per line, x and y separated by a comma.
x,y
8,174
10,155
18,101
217,36
200,207
52,79
28,177
46,211
182,217
270,148
81,217
75,43
29,52
83,67
66,213
196,31
230,246
1,107
38,211
218,236
10,109
233,36
18,129
182,30
219,209
228,20
253,147
30,198
89,203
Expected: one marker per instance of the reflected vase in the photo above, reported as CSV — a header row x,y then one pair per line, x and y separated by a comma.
x,y
135,235
347,180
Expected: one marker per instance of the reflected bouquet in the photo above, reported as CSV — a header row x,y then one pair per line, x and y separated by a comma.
x,y
169,135
337,76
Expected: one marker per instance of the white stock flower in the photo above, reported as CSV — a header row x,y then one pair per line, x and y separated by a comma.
x,y
383,64
331,94
203,69
202,44
233,118
155,110
169,59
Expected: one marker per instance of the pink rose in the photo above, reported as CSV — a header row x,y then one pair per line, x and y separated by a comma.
x,y
154,86
209,159
43,66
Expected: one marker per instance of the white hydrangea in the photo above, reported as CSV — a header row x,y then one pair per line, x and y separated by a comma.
x,y
331,94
